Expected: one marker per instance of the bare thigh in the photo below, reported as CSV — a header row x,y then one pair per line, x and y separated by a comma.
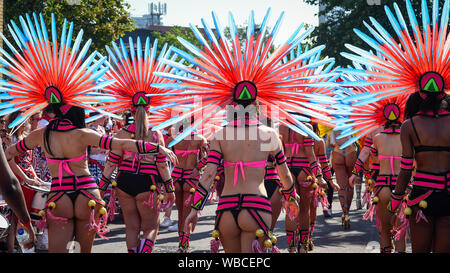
x,y
442,238
149,215
60,234
82,216
131,218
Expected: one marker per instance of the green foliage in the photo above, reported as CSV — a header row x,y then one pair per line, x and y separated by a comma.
x,y
103,21
342,16
171,39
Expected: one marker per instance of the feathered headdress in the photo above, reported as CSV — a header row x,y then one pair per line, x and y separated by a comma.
x,y
226,72
407,61
45,70
133,70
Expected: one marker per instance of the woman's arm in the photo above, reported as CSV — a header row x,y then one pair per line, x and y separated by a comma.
x,y
92,138
407,155
13,195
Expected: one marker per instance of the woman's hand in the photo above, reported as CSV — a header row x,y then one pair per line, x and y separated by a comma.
x,y
169,154
292,208
33,182
190,222
32,237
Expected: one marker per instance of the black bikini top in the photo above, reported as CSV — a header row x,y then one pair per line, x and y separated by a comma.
x,y
427,148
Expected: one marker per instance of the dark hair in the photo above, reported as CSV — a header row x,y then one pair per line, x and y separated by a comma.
x,y
75,114
432,102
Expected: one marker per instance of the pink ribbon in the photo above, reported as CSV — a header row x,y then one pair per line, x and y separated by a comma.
x,y
64,165
240,165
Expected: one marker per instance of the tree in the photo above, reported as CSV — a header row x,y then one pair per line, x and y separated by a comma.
x,y
342,16
103,21
171,39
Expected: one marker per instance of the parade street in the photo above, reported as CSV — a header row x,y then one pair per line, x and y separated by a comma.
x,y
329,235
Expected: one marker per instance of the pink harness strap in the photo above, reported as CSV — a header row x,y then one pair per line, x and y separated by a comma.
x,y
391,160
185,153
240,165
64,165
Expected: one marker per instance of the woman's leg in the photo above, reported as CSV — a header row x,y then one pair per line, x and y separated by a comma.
x,y
60,234
275,203
338,162
421,233
441,236
131,218
312,221
230,234
350,160
384,217
291,227
83,235
306,197
149,218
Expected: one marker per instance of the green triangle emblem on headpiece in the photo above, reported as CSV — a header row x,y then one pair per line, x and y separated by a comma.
x,y
431,86
245,94
54,98
392,116
141,100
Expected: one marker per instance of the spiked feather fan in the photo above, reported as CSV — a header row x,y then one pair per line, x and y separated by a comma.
x,y
400,61
46,70
226,70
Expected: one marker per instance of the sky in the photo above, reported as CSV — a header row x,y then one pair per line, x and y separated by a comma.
x,y
184,12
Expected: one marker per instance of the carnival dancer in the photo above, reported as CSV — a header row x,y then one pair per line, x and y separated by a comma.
x,y
343,161
319,194
143,181
244,82
65,84
417,66
185,175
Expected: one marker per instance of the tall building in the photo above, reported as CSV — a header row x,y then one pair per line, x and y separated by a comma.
x,y
153,17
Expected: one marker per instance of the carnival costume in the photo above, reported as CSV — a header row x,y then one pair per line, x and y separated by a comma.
x,y
133,69
409,63
227,72
47,71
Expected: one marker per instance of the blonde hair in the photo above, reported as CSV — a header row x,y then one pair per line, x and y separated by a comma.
x,y
141,122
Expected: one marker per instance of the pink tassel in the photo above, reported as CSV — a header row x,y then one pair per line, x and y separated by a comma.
x,y
420,216
275,249
92,223
377,221
365,198
58,220
324,202
187,203
256,247
316,198
112,206
166,206
214,245
41,224
400,230
369,213
101,226
149,203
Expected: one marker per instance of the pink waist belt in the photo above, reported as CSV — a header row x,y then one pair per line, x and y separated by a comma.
x,y
73,183
271,174
244,201
182,173
433,181
140,168
298,162
251,202
386,180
